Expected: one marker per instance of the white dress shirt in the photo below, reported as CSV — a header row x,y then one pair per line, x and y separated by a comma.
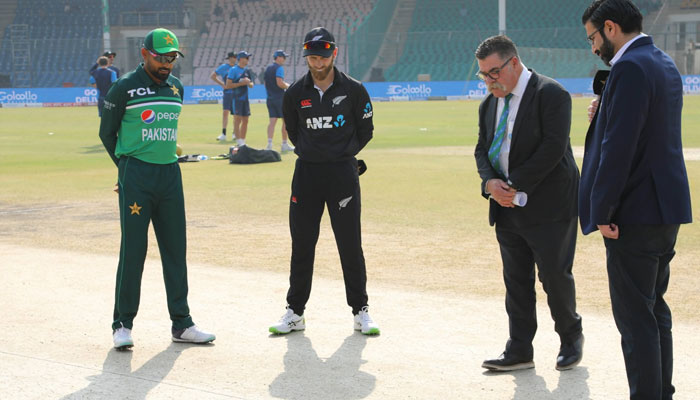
x,y
513,106
624,48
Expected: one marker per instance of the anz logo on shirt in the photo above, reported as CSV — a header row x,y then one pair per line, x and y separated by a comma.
x,y
368,111
325,122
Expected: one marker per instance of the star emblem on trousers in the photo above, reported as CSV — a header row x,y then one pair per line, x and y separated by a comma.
x,y
135,209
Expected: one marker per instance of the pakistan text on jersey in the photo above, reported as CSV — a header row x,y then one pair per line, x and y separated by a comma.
x,y
162,134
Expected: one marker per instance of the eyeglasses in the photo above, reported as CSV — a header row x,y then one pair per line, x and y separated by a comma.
x,y
318,45
164,59
590,37
494,73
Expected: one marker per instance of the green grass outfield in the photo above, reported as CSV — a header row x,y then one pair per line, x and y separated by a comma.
x,y
421,196
33,162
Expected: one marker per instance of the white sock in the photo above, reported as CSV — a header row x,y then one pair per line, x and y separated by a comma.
x,y
240,142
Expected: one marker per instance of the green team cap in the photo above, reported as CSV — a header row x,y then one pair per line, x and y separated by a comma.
x,y
162,41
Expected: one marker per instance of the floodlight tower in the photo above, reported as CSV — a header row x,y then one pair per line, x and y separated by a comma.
x,y
502,17
105,23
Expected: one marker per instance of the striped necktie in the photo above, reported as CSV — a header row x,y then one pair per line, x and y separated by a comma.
x,y
495,149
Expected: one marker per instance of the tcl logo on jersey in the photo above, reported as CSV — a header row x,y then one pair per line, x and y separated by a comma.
x,y
306,103
325,122
140,91
148,116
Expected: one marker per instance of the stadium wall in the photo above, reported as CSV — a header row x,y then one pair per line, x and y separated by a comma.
x,y
378,91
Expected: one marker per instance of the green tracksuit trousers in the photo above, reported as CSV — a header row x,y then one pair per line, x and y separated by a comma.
x,y
151,192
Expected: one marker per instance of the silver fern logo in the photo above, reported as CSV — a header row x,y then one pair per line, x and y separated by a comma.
x,y
344,202
338,100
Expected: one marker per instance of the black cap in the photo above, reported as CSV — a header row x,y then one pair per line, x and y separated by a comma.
x,y
109,53
231,54
319,42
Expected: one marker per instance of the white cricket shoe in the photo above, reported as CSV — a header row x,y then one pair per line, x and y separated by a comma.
x,y
122,338
192,335
287,147
289,322
221,138
269,147
364,323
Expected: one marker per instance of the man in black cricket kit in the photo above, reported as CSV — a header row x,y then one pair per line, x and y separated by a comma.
x,y
329,119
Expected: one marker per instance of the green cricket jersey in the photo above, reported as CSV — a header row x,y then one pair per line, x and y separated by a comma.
x,y
140,118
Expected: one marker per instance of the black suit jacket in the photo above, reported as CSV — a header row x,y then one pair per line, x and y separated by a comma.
x,y
541,162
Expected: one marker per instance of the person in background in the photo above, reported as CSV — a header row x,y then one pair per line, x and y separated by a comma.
x,y
110,57
275,87
219,76
239,80
102,78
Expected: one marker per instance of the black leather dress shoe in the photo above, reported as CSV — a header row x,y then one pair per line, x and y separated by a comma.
x,y
570,354
507,362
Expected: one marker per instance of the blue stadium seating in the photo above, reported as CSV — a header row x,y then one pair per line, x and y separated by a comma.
x,y
444,34
64,39
66,36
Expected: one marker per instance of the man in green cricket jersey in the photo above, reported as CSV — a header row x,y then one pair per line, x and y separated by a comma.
x,y
139,131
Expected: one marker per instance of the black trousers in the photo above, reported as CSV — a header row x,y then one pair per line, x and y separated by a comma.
x,y
314,186
551,246
638,274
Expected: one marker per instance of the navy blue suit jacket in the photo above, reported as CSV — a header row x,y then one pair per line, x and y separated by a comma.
x,y
633,169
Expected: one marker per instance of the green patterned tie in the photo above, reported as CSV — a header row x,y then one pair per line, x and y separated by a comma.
x,y
498,137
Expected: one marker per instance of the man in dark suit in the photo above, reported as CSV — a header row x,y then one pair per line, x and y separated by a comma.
x,y
634,187
530,177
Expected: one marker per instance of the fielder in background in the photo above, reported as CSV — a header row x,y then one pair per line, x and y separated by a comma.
x,y
239,80
275,87
530,178
139,131
219,76
634,188
110,57
329,119
102,78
